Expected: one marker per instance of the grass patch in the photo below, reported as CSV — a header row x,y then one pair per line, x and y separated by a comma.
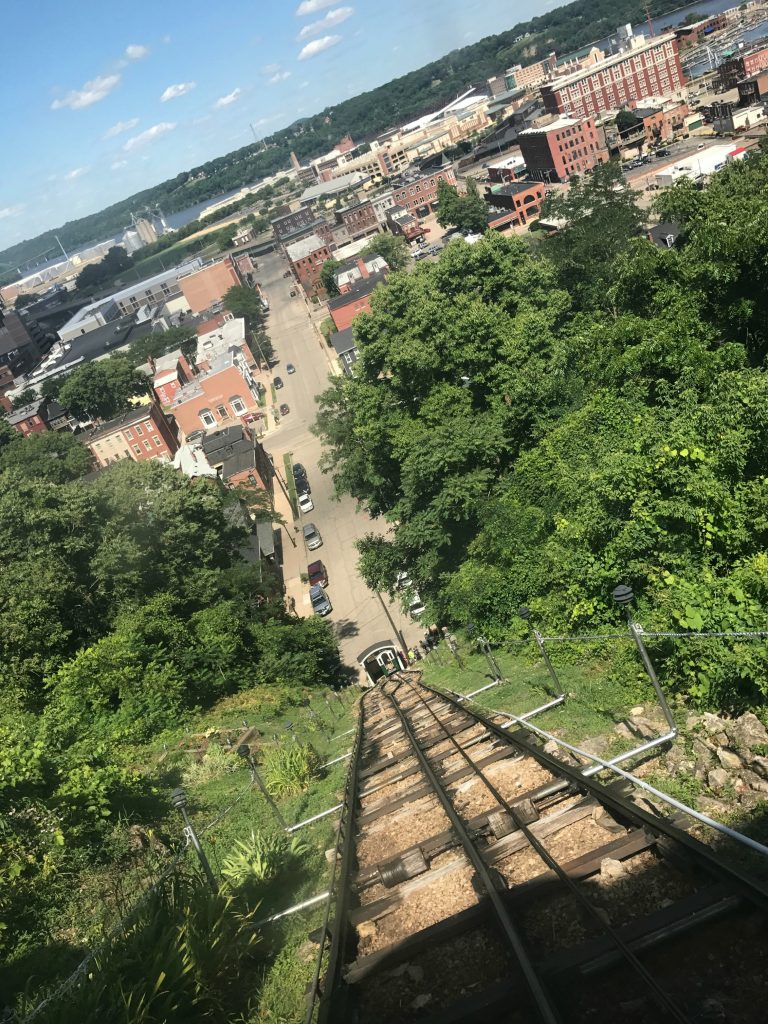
x,y
328,328
291,484
273,394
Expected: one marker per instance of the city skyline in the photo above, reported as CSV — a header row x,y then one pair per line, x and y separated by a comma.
x,y
132,98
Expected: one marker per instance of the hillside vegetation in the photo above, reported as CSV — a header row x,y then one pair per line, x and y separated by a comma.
x,y
362,117
541,425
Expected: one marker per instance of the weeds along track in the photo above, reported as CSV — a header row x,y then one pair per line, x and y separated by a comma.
x,y
484,880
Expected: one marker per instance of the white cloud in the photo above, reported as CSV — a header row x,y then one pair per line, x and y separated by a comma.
x,y
334,17
318,45
174,91
10,211
135,51
121,126
279,76
270,69
78,172
224,101
93,91
312,6
151,133
118,164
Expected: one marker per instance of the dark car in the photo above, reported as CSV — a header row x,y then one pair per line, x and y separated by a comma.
x,y
317,573
278,382
300,479
284,409
287,273
290,368
662,152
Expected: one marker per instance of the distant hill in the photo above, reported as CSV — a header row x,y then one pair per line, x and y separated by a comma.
x,y
363,117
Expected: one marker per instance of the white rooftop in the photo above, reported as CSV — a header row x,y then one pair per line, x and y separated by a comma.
x,y
325,188
510,161
221,339
553,126
305,246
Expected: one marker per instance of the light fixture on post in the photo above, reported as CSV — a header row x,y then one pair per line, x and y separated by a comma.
x,y
623,596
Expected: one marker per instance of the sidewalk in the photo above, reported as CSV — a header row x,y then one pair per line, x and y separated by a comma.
x,y
296,592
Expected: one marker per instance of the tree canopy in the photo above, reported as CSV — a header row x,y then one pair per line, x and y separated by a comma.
x,y
468,213
103,388
539,425
327,277
393,248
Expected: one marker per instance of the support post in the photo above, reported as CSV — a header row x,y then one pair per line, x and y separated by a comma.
x,y
525,614
244,751
179,801
623,597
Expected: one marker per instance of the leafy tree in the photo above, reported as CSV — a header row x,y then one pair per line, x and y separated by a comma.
x,y
114,262
327,280
626,120
26,397
102,389
56,456
601,218
244,302
393,248
23,300
226,237
468,213
158,343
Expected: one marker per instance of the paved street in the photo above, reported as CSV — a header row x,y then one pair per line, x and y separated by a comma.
x,y
357,615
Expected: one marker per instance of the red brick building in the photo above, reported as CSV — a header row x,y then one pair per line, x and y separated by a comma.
x,y
661,124
521,198
421,194
360,220
650,69
221,395
734,69
306,259
171,372
141,434
344,308
30,419
564,147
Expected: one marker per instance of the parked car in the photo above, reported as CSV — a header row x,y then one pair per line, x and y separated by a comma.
x,y
312,536
284,409
420,255
278,382
290,368
287,273
305,502
317,573
701,145
415,605
662,152
320,603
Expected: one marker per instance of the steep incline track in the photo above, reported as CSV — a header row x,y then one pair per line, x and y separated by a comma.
x,y
482,879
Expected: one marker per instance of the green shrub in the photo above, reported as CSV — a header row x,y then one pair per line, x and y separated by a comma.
x,y
261,858
215,762
289,770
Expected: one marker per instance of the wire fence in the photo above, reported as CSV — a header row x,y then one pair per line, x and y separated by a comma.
x,y
190,841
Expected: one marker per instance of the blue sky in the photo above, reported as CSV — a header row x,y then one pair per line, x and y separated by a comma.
x,y
103,99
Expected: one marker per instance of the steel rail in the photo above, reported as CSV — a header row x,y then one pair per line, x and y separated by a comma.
x,y
341,881
664,1001
546,1009
754,889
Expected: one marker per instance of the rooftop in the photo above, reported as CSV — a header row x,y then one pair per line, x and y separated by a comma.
x,y
227,335
510,161
514,188
343,341
138,414
553,126
305,247
26,411
358,290
340,184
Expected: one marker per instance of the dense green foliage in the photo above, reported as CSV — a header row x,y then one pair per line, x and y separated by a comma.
x,y
244,302
540,425
124,605
563,30
94,275
468,213
103,388
393,248
327,277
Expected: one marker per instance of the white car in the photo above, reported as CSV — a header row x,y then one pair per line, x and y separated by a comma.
x,y
305,503
415,605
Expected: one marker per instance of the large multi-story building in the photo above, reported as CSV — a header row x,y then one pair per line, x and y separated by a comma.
x,y
220,395
21,342
141,434
649,68
420,194
522,200
293,225
204,286
562,148
359,220
753,90
740,66
307,258
519,77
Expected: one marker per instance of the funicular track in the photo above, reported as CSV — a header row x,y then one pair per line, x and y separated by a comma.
x,y
483,879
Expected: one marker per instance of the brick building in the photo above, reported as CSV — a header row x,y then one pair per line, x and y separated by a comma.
x,y
661,124
522,198
402,222
207,285
734,69
40,416
511,168
223,338
306,259
170,372
292,225
143,433
519,77
220,395
651,68
420,195
359,220
564,147
690,35
753,90
238,457
350,273
357,299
